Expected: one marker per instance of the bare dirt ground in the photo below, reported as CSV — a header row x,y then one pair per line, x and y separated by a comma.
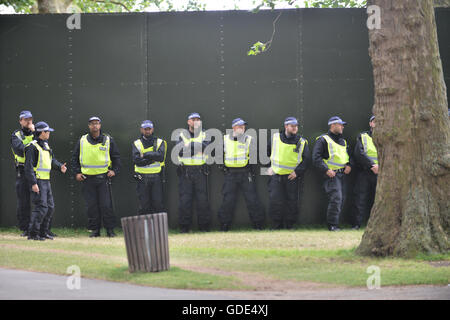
x,y
275,289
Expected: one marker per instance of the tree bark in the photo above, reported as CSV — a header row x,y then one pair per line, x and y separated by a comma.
x,y
411,213
53,6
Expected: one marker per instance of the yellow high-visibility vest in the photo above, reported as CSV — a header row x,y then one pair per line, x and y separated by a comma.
x,y
284,159
193,160
154,167
94,158
369,148
338,156
25,140
44,163
236,152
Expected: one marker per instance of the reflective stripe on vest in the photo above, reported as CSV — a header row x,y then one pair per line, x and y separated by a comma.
x,y
338,156
283,157
44,163
195,160
236,152
94,158
155,167
25,140
369,148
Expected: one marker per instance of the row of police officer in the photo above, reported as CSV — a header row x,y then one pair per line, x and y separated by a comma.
x,y
96,160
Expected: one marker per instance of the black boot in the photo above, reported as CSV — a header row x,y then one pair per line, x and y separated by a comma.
x,y
258,226
289,225
35,237
110,233
277,226
95,234
203,228
24,234
52,234
46,236
184,229
332,227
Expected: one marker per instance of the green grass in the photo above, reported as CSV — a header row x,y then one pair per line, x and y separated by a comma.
x,y
240,259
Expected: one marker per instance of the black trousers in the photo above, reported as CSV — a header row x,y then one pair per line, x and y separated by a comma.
x,y
150,194
23,193
95,190
193,184
284,197
335,189
233,183
364,195
44,207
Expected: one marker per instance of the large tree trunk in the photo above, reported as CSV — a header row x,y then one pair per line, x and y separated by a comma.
x,y
411,213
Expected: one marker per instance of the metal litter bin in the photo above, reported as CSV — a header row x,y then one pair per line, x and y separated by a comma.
x,y
147,242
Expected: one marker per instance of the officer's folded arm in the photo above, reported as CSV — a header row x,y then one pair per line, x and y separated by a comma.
x,y
153,156
142,162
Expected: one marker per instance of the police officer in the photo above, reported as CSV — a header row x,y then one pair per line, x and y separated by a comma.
x,y
39,161
193,176
289,157
239,174
149,153
331,156
95,161
19,139
366,158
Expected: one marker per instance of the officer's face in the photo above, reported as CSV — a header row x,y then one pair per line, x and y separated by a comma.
x,y
194,123
372,124
45,135
238,130
337,128
291,128
26,122
147,132
95,126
